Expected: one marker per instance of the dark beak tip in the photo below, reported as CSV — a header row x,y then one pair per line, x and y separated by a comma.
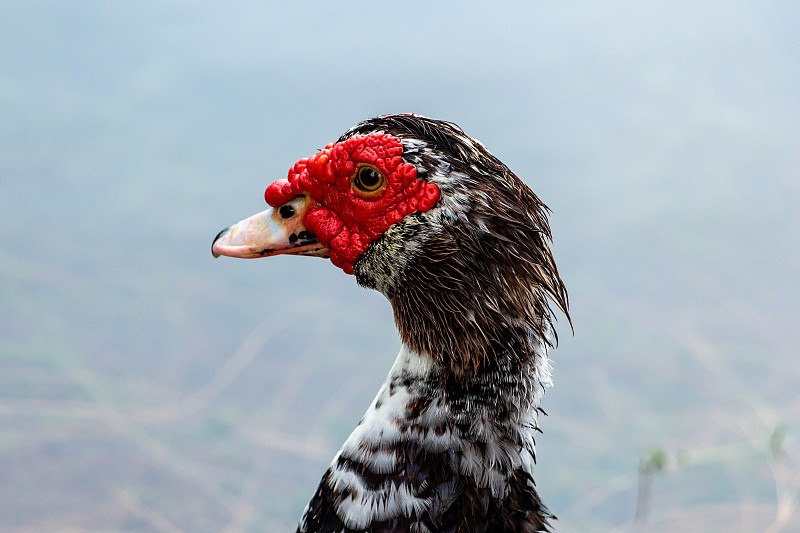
x,y
220,234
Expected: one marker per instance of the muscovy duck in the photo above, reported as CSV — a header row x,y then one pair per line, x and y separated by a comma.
x,y
419,211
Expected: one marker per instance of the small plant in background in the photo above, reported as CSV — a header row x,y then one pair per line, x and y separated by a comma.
x,y
784,470
654,461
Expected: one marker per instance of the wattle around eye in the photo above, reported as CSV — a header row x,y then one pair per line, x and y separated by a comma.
x,y
357,189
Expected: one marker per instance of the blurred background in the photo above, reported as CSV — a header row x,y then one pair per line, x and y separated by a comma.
x,y
146,387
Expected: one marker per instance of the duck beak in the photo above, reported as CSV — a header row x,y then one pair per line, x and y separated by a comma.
x,y
278,230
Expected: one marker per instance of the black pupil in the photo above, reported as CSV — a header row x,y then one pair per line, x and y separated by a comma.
x,y
286,211
368,177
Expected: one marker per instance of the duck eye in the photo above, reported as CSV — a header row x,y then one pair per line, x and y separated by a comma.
x,y
368,180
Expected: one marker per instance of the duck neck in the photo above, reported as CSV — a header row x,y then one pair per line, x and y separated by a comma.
x,y
506,387
472,320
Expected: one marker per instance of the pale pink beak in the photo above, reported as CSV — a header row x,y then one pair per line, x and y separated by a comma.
x,y
278,230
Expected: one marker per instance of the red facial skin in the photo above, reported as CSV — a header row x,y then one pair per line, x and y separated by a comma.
x,y
345,219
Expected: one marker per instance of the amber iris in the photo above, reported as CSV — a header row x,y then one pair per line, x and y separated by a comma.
x,y
368,182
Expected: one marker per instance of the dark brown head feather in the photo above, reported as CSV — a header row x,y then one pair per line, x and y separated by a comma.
x,y
478,274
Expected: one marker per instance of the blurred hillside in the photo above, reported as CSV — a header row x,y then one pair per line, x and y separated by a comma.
x,y
146,387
